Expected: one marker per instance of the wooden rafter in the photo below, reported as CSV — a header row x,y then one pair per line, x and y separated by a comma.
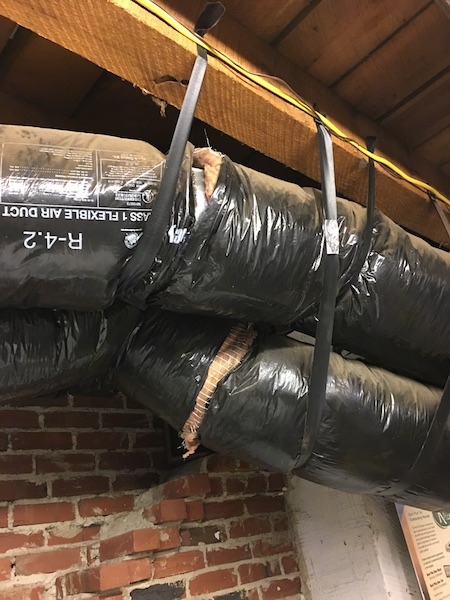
x,y
122,37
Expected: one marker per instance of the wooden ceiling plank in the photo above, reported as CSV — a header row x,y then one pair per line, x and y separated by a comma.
x,y
123,38
267,19
336,36
428,111
408,60
16,111
49,76
437,148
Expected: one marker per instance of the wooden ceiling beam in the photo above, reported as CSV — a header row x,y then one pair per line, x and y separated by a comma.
x,y
123,38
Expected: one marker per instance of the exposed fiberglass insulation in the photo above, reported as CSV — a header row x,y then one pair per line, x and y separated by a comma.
x,y
240,244
374,423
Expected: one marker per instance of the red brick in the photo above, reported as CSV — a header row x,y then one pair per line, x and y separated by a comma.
x,y
253,594
31,514
3,516
170,538
126,419
195,510
289,565
101,506
181,562
187,486
103,440
136,481
108,577
235,486
19,419
150,439
72,420
131,542
167,511
222,464
271,547
224,556
11,541
249,527
276,482
80,486
217,488
264,504
252,572
250,485
5,568
223,510
34,440
202,535
63,463
281,588
14,464
210,582
19,489
120,461
98,402
48,562
74,535
23,592
3,441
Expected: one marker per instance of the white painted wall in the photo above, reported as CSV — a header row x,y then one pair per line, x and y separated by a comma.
x,y
350,547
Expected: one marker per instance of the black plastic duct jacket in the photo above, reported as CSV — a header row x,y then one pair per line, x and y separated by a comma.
x,y
45,351
373,427
374,422
73,206
255,253
239,244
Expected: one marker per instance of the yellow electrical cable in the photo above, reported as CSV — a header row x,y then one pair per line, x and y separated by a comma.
x,y
262,82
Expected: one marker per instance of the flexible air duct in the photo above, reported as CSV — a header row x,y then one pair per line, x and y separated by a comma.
x,y
374,423
45,350
239,244
239,392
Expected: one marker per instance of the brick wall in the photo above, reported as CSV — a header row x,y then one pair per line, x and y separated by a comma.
x,y
78,520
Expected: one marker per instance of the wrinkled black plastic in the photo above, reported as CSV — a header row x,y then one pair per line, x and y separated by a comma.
x,y
374,422
44,351
72,210
255,253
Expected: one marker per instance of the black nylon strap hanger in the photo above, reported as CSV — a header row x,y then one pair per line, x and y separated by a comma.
x,y
324,332
155,228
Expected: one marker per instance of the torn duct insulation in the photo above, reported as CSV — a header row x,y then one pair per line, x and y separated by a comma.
x,y
374,423
239,392
239,244
255,254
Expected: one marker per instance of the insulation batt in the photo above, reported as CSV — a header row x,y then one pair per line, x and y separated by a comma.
x,y
73,207
374,423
